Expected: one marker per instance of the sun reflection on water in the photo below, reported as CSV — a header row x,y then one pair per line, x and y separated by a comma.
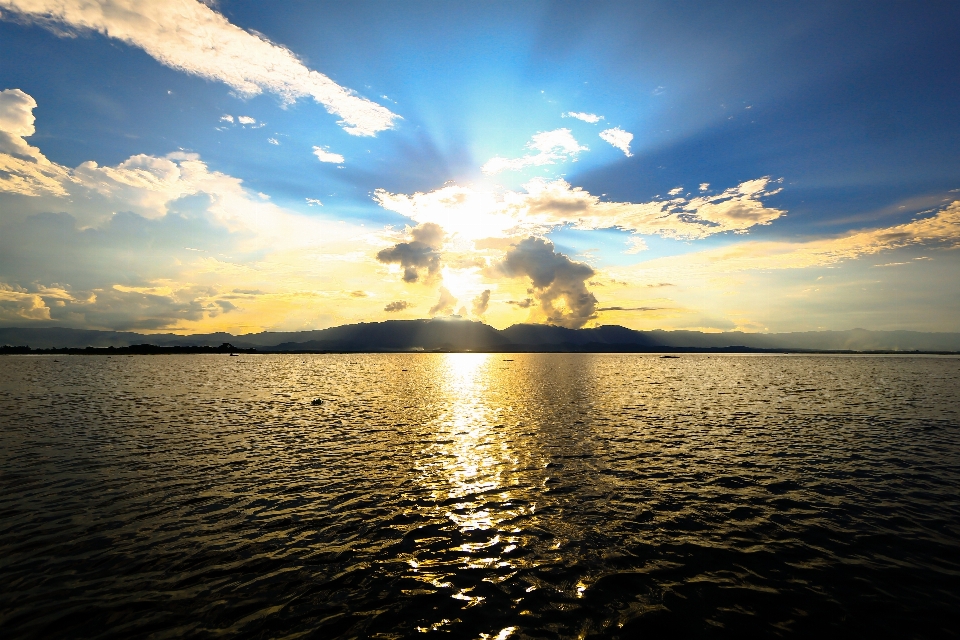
x,y
467,469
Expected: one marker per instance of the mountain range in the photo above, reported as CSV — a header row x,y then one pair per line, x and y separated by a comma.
x,y
466,335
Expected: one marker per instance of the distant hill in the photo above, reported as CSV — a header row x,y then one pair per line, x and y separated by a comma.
x,y
466,335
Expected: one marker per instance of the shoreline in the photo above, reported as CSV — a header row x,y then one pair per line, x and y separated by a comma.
x,y
146,349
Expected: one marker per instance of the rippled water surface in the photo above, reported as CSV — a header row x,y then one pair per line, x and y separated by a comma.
x,y
479,495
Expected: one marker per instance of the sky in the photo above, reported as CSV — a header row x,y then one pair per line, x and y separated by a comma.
x,y
189,167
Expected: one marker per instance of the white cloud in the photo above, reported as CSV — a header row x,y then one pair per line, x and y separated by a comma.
x,y
273,141
226,118
551,147
191,37
144,185
313,202
939,230
592,118
544,204
246,120
618,138
327,156
704,186
24,169
16,113
112,238
636,244
675,192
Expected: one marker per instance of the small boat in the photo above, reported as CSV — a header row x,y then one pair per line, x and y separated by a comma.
x,y
234,355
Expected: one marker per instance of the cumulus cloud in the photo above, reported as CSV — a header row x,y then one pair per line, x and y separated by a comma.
x,y
113,255
544,204
144,185
246,120
16,113
117,307
429,234
191,37
558,283
618,138
17,305
327,156
396,305
481,303
226,118
24,169
592,118
445,304
551,147
418,258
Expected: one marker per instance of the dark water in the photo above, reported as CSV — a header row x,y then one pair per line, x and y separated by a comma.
x,y
479,496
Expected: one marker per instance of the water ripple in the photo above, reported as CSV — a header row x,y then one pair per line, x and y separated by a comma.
x,y
545,496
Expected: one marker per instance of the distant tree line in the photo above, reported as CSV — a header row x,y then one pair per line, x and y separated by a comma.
x,y
137,349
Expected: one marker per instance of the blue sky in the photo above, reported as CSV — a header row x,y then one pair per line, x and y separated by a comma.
x,y
800,140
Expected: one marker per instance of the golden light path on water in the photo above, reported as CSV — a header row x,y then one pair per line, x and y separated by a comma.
x,y
464,470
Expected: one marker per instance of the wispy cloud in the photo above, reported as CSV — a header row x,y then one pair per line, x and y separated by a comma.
x,y
191,37
636,244
618,138
939,230
551,147
592,118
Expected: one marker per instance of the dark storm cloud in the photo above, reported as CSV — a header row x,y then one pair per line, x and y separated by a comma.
x,y
559,283
419,258
396,305
429,233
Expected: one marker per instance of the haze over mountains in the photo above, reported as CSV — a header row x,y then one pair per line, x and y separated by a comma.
x,y
465,335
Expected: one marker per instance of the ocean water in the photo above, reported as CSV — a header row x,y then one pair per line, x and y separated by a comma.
x,y
479,496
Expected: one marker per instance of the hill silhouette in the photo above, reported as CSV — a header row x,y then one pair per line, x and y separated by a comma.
x,y
466,335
